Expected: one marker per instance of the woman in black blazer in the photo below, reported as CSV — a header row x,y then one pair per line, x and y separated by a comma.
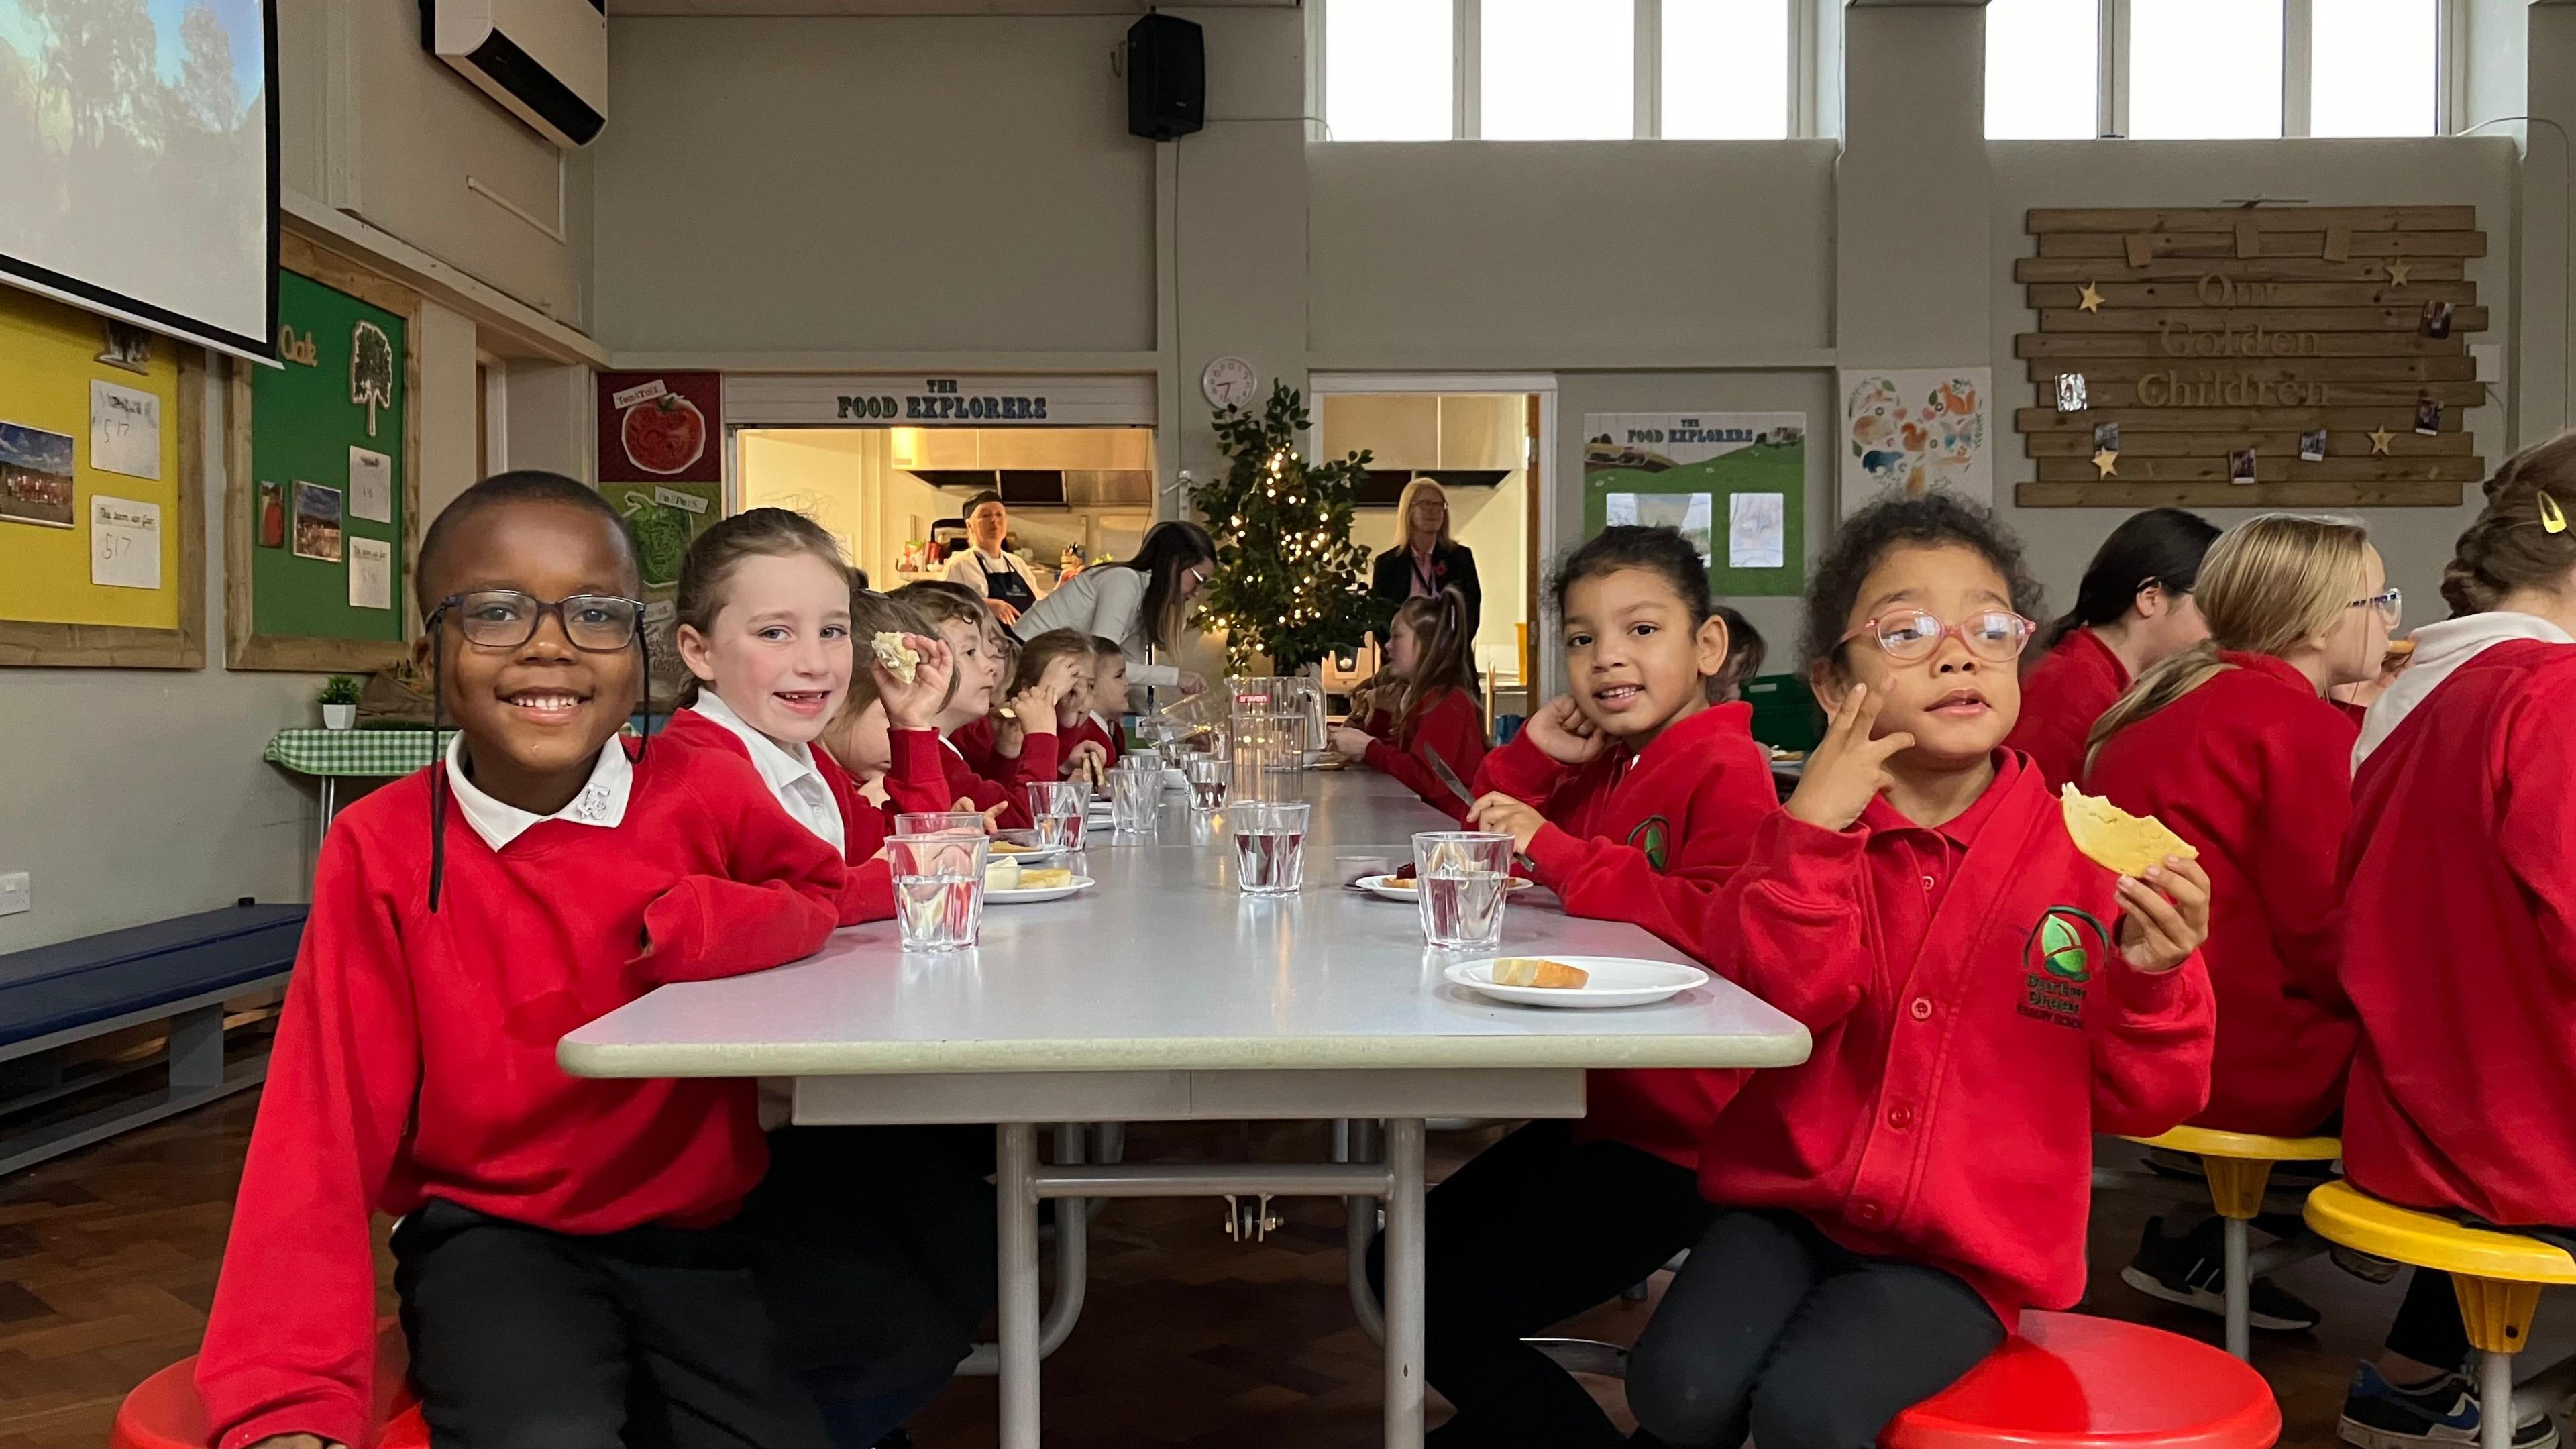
x,y
1425,558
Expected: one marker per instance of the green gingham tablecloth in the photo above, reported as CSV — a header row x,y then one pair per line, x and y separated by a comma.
x,y
365,754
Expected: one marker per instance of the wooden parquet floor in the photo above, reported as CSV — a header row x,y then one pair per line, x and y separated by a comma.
x,y
108,1259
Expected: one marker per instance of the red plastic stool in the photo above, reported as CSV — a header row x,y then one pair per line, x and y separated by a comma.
x,y
2067,1381
163,1412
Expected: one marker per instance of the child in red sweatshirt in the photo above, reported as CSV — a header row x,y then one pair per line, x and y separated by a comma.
x,y
565,1253
1982,999
2459,942
2133,608
1092,746
974,642
1423,705
2233,744
1050,684
1630,792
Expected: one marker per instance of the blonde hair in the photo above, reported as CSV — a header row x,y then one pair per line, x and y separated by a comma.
x,y
1404,511
2269,582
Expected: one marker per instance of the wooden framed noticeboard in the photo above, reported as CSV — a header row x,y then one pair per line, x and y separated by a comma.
x,y
2251,357
321,526
102,475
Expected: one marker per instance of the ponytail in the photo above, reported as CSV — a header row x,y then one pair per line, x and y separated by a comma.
x,y
2163,682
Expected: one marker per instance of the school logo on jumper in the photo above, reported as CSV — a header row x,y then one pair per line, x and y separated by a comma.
x,y
2057,959
1654,836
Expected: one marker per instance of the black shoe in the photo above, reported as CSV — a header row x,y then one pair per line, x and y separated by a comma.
x,y
2379,1415
2192,1270
899,1439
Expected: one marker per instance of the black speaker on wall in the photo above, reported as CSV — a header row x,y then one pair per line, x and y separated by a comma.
x,y
1166,77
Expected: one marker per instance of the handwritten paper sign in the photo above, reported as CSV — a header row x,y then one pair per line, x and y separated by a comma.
x,y
371,485
124,543
371,574
124,430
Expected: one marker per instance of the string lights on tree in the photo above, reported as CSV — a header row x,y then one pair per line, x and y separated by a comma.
x,y
1289,583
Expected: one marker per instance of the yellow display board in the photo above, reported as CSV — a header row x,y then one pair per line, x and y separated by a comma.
x,y
105,550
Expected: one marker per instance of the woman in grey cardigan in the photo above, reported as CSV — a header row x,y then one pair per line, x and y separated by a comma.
x,y
1139,603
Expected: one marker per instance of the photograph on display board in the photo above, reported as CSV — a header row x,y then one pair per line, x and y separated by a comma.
x,y
35,476
1733,484
318,523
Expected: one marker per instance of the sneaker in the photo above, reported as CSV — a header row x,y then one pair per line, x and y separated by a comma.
x,y
2364,1266
2379,1415
2192,1270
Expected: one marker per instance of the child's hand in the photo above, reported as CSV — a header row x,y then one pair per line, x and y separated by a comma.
x,y
1086,762
1507,815
1351,744
2167,917
916,706
1849,768
992,817
1035,706
1563,734
1009,729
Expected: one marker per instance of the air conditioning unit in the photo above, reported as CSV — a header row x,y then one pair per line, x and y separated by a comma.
x,y
546,60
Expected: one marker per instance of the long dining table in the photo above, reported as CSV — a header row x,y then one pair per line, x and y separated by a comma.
x,y
1164,993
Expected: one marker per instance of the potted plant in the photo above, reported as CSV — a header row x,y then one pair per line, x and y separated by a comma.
x,y
339,702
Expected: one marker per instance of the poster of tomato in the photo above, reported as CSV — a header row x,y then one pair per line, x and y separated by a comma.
x,y
661,427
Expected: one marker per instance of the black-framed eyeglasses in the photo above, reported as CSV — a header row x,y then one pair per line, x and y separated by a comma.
x,y
507,618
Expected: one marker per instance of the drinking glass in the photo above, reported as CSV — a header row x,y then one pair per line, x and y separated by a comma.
x,y
938,888
1133,794
1270,846
1208,777
939,822
1462,879
1143,758
1057,809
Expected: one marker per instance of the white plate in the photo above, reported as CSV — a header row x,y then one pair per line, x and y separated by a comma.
x,y
1026,894
1029,853
1377,885
1615,981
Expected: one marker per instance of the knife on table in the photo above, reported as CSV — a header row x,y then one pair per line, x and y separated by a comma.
x,y
1458,787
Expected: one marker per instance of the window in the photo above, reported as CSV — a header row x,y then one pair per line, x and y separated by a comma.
x,y
1564,70
2207,69
1388,71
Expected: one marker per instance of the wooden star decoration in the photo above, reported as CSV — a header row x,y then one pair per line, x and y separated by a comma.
x,y
2379,438
2397,273
2091,301
2108,460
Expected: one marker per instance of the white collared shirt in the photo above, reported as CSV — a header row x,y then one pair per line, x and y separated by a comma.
x,y
790,775
601,802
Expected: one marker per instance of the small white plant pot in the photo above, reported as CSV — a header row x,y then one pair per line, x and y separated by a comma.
x,y
339,716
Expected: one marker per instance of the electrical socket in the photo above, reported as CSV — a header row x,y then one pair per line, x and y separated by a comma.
x,y
15,893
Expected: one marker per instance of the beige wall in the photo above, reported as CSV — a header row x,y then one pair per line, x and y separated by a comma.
x,y
849,185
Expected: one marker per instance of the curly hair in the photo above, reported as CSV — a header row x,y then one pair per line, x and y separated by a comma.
x,y
1631,546
1868,536
2509,546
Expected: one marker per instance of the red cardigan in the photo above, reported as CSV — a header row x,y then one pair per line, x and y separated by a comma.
x,y
1648,838
2254,768
1451,725
416,1058
2460,948
2061,697
1974,1026
868,893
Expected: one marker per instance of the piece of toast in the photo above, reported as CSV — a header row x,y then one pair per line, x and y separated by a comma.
x,y
898,658
1539,971
2116,839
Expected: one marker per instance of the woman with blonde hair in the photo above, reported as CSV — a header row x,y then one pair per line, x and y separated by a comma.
x,y
2233,743
1425,559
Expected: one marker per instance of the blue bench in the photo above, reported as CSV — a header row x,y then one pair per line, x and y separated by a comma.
x,y
180,971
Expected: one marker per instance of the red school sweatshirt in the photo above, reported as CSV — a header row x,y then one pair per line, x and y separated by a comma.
x,y
1648,837
867,894
1037,761
416,1058
1089,729
2061,697
1974,1026
2459,948
2254,768
1453,726
916,779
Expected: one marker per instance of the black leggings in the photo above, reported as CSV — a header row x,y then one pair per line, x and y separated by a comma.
x,y
1773,1330
2428,1328
1536,1229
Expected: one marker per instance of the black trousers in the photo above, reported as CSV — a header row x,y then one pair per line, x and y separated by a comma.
x,y
1534,1230
2428,1327
653,1338
879,1257
1773,1330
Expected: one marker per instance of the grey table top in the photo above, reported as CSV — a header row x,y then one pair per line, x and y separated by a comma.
x,y
1165,966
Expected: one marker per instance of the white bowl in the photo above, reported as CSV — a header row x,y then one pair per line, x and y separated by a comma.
x,y
1614,981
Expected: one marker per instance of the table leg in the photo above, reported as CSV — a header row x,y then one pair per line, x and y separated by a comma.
x,y
1017,1152
1404,1284
1357,1141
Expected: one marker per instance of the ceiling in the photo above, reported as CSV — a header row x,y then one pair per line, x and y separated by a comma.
x,y
918,7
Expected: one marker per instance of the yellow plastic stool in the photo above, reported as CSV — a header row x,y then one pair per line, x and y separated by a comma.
x,y
2239,1167
2497,1277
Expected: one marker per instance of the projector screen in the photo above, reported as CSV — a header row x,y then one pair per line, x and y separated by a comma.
x,y
138,156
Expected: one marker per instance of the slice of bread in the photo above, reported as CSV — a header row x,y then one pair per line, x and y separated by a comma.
x,y
1539,971
2116,839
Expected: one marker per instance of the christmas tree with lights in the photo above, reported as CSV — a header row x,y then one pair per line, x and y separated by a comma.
x,y
1289,583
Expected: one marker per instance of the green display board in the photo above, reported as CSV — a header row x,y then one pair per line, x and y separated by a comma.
x,y
329,458
1735,484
